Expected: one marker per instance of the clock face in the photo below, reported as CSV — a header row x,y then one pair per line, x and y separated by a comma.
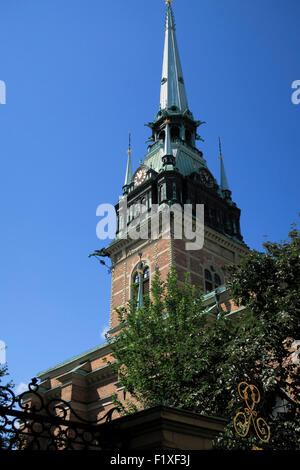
x,y
140,176
206,178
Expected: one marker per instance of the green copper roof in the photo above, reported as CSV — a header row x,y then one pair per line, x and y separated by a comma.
x,y
224,186
172,84
224,183
128,177
73,359
188,159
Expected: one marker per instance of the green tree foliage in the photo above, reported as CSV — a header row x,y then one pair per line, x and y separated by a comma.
x,y
171,352
5,399
3,375
268,284
153,353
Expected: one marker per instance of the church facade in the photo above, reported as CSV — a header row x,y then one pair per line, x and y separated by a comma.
x,y
174,173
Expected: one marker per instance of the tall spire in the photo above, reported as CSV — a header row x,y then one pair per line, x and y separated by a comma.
x,y
128,177
224,182
172,91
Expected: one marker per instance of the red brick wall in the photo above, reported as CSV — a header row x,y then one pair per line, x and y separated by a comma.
x,y
162,253
157,253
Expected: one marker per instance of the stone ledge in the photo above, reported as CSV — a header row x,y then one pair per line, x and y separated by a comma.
x,y
168,428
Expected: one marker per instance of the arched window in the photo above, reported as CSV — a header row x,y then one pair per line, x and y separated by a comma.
x,y
146,281
212,281
130,213
175,132
149,200
136,210
144,207
145,277
121,223
161,193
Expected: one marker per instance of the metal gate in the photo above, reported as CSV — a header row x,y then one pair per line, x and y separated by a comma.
x,y
28,422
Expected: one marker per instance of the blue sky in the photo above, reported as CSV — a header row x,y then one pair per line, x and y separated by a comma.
x,y
79,74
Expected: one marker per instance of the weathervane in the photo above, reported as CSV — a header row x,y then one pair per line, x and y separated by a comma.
x,y
251,396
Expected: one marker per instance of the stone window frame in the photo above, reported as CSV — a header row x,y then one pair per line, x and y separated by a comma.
x,y
146,280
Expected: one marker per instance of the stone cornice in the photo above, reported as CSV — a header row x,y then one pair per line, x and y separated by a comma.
x,y
209,233
225,242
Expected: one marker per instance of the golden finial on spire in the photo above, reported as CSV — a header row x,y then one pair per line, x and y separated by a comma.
x,y
169,2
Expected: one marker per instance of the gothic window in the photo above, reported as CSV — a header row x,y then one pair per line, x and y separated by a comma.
x,y
145,277
212,280
146,281
130,213
144,205
121,222
136,210
150,200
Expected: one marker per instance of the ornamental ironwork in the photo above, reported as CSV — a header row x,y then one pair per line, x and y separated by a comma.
x,y
242,421
29,422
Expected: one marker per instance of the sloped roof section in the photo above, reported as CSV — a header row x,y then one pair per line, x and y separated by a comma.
x,y
172,91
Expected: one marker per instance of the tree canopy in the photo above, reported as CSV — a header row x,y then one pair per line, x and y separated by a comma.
x,y
170,351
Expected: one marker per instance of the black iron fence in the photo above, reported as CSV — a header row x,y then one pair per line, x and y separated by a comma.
x,y
29,422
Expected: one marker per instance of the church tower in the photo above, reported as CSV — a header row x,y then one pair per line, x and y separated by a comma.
x,y
174,171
